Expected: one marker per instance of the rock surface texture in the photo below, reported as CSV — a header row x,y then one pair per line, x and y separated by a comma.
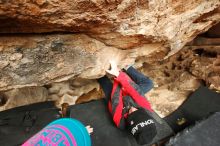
x,y
59,48
121,23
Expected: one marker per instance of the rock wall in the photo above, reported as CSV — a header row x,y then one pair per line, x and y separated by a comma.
x,y
120,23
59,48
37,60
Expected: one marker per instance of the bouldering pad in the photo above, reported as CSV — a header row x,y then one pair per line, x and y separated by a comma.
x,y
199,105
204,133
20,123
105,133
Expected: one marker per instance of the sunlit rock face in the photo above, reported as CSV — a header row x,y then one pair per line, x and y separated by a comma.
x,y
66,65
55,50
38,60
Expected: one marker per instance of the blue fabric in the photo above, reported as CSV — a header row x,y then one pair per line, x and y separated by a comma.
x,y
77,129
145,83
106,86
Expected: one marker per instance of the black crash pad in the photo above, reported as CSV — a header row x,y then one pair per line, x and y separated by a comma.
x,y
105,133
202,103
204,133
19,124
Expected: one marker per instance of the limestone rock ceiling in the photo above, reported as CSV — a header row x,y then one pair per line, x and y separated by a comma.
x,y
37,60
115,22
58,48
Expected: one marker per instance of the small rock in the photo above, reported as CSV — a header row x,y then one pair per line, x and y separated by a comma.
x,y
16,56
57,46
40,2
60,65
3,64
1,48
26,60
